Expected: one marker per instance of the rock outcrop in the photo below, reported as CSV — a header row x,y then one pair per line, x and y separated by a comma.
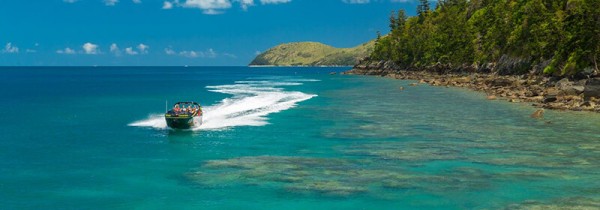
x,y
497,81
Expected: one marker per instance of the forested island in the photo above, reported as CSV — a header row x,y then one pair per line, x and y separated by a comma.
x,y
541,51
312,54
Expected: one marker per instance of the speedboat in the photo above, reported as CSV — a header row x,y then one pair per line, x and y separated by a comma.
x,y
184,115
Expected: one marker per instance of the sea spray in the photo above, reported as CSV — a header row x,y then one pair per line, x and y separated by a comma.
x,y
249,105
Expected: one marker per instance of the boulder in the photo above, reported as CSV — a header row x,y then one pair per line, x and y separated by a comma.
x,y
491,97
552,91
502,82
592,88
585,73
563,83
463,80
537,98
550,98
589,104
536,90
581,82
567,87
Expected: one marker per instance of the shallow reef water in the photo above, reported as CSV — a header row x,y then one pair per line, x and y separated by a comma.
x,y
283,138
440,142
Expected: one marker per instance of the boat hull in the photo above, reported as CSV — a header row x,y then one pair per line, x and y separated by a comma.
x,y
183,122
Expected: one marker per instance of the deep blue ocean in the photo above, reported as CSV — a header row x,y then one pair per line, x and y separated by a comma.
x,y
281,138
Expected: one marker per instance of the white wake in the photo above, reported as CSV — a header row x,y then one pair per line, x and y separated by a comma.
x,y
249,105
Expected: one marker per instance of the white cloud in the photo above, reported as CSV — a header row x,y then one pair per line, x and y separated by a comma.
x,y
30,51
90,49
356,1
143,48
66,51
111,2
130,51
70,1
213,7
257,52
209,7
9,48
170,51
210,53
230,55
246,3
114,48
369,1
167,5
189,54
137,1
274,1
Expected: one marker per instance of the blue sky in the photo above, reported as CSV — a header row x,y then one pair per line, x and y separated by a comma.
x,y
179,32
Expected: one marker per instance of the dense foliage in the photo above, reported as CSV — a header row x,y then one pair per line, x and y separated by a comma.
x,y
562,36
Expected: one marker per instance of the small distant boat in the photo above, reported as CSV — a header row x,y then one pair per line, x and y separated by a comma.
x,y
184,115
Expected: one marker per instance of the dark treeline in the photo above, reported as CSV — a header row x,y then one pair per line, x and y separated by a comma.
x,y
562,36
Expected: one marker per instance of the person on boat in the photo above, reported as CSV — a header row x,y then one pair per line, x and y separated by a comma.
x,y
176,109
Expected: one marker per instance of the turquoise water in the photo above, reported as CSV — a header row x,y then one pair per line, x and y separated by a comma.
x,y
281,138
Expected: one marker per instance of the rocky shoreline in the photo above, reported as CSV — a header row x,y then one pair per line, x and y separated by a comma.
x,y
574,94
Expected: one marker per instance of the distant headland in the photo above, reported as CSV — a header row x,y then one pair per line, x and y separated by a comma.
x,y
312,54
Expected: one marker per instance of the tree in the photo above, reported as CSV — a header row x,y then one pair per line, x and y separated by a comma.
x,y
423,9
393,23
564,33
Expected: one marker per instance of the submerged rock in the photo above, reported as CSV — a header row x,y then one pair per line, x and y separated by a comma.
x,y
333,188
329,176
576,203
538,114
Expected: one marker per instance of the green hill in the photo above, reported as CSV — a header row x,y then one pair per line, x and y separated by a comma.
x,y
312,54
